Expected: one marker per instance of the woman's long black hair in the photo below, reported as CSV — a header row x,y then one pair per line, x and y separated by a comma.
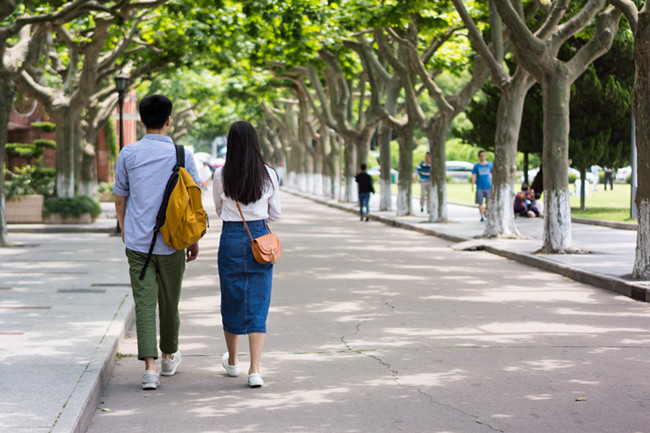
x,y
244,174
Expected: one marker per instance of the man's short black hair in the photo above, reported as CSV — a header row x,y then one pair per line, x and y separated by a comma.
x,y
155,110
363,167
481,151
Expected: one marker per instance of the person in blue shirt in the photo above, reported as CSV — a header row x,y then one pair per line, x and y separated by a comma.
x,y
141,174
482,178
424,172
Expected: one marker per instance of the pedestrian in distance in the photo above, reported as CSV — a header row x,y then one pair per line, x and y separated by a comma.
x,y
248,182
424,173
594,177
609,178
206,175
365,189
482,180
141,174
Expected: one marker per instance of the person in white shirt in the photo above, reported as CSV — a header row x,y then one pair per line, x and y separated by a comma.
x,y
245,284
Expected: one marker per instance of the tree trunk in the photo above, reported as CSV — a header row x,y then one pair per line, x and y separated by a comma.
x,y
384,136
88,179
65,120
583,187
437,136
404,190
6,104
555,162
526,164
500,221
641,269
332,164
349,172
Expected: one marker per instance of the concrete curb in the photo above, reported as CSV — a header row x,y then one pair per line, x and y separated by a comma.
x,y
618,285
611,224
84,398
42,228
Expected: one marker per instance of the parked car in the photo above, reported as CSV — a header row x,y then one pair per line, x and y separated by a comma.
x,y
460,171
623,173
394,174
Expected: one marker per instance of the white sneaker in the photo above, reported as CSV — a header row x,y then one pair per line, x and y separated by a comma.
x,y
169,366
255,380
150,380
231,370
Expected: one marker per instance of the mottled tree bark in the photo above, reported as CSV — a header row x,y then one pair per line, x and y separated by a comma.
x,y
500,221
641,269
6,102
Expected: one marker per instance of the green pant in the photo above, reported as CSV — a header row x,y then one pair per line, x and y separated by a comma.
x,y
162,283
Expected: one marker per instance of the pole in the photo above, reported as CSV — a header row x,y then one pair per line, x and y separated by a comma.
x,y
120,102
633,180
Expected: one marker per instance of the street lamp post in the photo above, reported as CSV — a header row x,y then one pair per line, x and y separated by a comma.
x,y
121,84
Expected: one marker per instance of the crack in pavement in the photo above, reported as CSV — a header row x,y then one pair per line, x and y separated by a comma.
x,y
395,376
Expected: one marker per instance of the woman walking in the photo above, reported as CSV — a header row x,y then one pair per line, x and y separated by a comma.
x,y
244,180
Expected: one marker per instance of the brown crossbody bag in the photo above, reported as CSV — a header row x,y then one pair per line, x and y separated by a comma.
x,y
266,249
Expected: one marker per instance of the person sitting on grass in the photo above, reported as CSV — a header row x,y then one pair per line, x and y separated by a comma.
x,y
525,203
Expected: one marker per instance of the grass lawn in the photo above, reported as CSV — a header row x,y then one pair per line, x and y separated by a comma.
x,y
603,205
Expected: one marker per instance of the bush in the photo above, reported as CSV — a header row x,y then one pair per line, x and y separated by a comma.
x,y
44,180
572,178
42,142
72,206
449,178
19,183
628,179
44,126
23,150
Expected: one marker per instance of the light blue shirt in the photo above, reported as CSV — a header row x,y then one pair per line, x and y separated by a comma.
x,y
141,174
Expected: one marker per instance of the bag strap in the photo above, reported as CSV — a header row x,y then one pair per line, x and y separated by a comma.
x,y
162,212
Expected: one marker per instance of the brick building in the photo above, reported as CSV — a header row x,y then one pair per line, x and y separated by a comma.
x,y
21,131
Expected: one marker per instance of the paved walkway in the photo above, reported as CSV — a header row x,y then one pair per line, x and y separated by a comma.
x,y
372,328
608,264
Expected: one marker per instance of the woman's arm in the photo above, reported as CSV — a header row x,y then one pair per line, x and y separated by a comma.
x,y
274,201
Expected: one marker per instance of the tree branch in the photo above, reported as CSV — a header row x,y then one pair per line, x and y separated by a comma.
x,y
578,21
629,9
518,28
600,42
499,74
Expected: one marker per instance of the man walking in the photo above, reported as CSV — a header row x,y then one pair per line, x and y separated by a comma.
x,y
365,189
141,174
424,172
482,178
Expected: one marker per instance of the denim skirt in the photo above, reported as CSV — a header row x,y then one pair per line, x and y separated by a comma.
x,y
245,284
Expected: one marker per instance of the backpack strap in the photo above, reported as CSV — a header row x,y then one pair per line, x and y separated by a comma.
x,y
162,212
180,156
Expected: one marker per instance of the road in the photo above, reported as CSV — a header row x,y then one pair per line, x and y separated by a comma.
x,y
378,329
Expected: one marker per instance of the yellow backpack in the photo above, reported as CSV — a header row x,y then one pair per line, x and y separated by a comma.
x,y
181,219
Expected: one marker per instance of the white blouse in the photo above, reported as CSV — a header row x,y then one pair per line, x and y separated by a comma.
x,y
266,208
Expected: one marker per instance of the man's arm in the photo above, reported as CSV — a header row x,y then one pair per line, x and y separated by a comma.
x,y
120,210
192,252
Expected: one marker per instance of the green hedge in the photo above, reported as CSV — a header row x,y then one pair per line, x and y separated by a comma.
x,y
24,150
43,180
43,142
72,206
44,126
